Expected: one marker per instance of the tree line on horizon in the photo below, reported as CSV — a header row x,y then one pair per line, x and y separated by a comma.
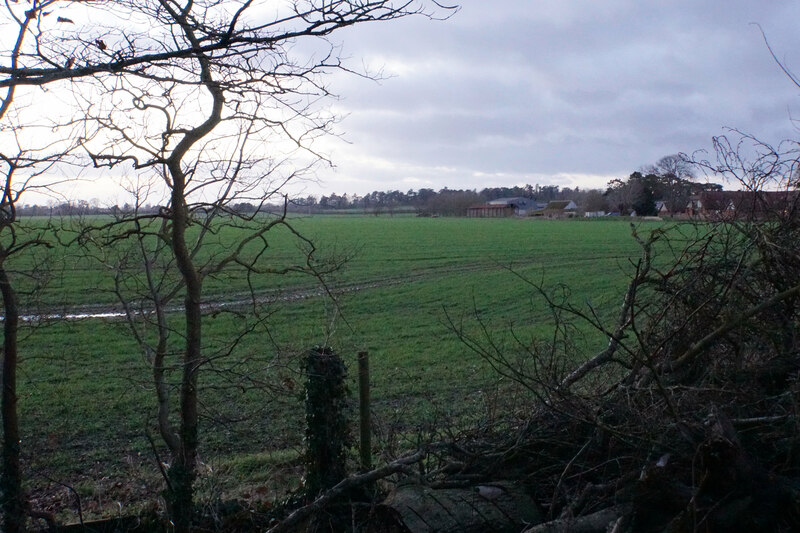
x,y
638,193
670,180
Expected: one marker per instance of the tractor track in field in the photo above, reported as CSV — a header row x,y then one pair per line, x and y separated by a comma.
x,y
243,300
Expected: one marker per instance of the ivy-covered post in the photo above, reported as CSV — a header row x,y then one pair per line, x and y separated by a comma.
x,y
327,434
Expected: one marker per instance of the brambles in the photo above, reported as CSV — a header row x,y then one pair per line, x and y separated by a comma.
x,y
687,417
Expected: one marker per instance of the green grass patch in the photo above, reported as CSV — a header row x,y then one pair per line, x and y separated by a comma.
x,y
86,397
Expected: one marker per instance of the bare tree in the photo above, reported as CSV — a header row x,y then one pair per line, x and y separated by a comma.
x,y
675,172
190,94
676,165
24,159
15,239
205,85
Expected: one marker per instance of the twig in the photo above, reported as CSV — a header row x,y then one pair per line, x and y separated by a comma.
x,y
47,517
623,321
701,345
758,421
157,457
564,473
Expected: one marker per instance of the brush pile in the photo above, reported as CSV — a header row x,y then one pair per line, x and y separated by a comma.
x,y
688,419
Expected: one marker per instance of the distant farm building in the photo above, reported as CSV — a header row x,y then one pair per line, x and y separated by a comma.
x,y
490,211
559,209
503,207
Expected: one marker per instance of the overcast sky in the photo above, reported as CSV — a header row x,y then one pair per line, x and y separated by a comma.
x,y
567,92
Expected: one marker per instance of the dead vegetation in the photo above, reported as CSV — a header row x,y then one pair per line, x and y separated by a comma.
x,y
684,420
687,419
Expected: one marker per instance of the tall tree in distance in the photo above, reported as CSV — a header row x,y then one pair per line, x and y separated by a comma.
x,y
675,174
675,165
634,195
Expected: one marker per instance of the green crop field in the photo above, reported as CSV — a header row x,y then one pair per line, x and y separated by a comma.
x,y
86,402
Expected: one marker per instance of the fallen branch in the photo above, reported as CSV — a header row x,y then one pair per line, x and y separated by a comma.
x,y
758,421
597,522
346,484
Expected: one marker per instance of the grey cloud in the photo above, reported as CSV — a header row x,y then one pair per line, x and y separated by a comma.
x,y
529,88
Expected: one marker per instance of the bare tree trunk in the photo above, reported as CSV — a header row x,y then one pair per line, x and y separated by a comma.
x,y
14,503
182,473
